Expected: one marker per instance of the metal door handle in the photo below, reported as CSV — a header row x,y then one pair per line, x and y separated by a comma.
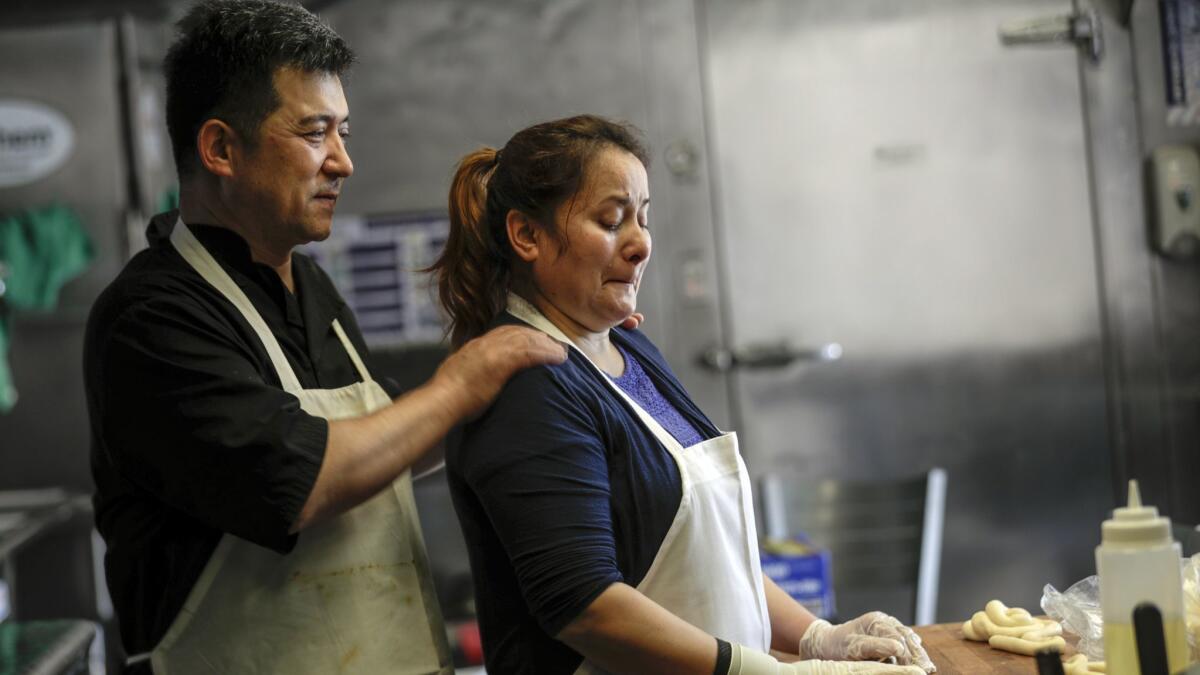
x,y
766,355
1082,28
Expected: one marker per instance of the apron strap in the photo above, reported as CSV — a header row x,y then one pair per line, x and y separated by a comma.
x,y
523,310
194,252
352,352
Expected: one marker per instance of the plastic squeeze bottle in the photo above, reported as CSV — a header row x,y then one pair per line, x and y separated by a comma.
x,y
1139,562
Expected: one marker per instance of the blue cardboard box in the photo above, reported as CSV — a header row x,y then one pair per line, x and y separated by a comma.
x,y
803,572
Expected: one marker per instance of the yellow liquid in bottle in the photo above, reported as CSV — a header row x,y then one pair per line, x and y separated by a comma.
x,y
1120,647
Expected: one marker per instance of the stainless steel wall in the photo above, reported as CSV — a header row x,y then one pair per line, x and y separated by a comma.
x,y
1013,426
894,179
437,79
1121,399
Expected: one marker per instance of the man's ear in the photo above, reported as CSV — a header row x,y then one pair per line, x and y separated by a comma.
x,y
215,143
522,235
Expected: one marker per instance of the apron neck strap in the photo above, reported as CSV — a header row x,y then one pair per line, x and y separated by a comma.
x,y
199,258
351,351
525,311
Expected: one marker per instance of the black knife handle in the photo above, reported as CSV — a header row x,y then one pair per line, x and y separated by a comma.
x,y
1049,662
1151,645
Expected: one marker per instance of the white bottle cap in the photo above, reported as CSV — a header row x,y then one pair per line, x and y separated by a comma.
x,y
1136,525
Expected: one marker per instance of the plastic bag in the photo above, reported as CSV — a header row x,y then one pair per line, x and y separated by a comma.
x,y
1078,610
1191,603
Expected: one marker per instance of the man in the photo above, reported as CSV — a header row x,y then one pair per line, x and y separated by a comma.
x,y
245,460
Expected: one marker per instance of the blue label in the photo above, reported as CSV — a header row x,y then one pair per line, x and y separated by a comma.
x,y
806,578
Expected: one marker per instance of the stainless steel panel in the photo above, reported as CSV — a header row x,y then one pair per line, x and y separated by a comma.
x,y
684,314
1166,371
74,70
436,80
892,179
1134,358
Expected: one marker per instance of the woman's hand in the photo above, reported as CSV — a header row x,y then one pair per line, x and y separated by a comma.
x,y
747,661
871,637
847,668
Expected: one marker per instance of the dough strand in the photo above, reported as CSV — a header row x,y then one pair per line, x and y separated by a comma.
x,y
1015,630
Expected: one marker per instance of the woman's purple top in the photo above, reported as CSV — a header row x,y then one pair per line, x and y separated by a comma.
x,y
635,382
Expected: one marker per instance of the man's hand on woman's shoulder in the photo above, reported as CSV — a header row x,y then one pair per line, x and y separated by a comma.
x,y
473,375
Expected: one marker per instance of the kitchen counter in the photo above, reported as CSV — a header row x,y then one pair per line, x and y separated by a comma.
x,y
954,655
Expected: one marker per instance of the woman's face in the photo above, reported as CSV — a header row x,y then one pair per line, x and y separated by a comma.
x,y
591,272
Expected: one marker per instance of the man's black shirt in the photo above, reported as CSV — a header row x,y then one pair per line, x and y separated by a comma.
x,y
192,436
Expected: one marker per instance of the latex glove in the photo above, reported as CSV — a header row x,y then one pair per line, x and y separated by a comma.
x,y
874,636
748,661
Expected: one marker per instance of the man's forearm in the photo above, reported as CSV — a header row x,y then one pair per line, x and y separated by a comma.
x,y
365,454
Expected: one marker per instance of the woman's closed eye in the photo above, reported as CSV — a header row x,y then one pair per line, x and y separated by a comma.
x,y
611,221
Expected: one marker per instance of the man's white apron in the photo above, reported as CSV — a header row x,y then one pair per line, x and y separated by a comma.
x,y
707,571
354,596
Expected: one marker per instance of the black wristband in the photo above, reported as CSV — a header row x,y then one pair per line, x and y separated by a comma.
x,y
724,657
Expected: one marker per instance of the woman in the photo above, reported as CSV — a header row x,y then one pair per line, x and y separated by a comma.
x,y
609,523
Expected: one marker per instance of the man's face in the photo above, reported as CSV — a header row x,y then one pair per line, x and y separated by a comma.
x,y
286,186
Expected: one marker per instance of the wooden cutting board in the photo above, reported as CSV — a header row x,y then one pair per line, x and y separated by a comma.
x,y
954,655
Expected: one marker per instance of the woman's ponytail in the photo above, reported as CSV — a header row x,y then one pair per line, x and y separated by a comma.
x,y
472,272
542,167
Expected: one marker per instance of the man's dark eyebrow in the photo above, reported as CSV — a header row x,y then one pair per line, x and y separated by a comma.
x,y
325,117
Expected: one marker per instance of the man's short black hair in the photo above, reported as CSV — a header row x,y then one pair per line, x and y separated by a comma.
x,y
223,62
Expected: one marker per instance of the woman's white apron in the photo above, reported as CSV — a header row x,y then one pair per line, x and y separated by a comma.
x,y
707,570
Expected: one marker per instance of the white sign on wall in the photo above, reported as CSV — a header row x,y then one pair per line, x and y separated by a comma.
x,y
35,140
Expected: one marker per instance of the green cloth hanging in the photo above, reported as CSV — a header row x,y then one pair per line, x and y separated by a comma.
x,y
40,250
8,393
168,200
